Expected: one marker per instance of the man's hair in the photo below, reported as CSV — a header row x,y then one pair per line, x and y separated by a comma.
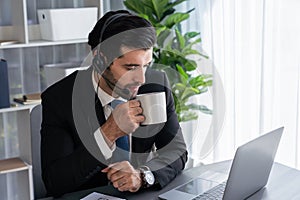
x,y
129,30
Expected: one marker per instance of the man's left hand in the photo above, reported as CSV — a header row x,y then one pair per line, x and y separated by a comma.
x,y
123,176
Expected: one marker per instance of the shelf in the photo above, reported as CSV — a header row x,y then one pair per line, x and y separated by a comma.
x,y
50,43
25,60
39,43
17,108
12,165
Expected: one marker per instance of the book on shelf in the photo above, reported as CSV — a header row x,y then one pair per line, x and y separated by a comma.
x,y
8,42
34,98
4,85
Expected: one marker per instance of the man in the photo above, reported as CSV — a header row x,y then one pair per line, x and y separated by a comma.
x,y
81,129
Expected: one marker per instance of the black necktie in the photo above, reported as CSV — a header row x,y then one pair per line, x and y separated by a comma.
x,y
122,151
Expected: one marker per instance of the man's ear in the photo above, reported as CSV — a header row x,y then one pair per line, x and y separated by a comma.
x,y
101,55
95,52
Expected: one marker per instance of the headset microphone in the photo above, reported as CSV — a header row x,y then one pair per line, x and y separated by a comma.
x,y
124,91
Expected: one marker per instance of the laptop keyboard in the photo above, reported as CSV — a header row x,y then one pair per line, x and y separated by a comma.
x,y
215,193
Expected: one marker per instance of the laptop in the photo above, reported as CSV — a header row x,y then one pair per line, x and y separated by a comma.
x,y
249,173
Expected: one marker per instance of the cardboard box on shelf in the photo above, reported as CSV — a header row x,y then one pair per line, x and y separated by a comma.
x,y
55,72
66,23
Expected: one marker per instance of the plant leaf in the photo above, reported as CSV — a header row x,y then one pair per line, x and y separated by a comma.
x,y
159,7
186,52
190,65
190,35
164,33
180,39
182,72
133,5
191,44
188,116
170,54
201,108
188,92
173,4
197,81
175,18
142,8
179,86
168,12
209,83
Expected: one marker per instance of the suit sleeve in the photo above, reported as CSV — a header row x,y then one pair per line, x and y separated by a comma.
x,y
171,148
66,164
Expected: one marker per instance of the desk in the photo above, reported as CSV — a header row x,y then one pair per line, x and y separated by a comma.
x,y
283,184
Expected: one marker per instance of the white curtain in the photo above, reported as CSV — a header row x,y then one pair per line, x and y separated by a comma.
x,y
255,47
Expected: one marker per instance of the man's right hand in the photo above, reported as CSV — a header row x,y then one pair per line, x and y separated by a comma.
x,y
123,176
125,119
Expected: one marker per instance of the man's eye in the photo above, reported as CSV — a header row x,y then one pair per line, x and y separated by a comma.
x,y
149,64
131,68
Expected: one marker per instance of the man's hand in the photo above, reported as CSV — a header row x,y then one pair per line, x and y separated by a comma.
x,y
123,176
125,119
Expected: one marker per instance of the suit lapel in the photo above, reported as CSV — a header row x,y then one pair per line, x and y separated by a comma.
x,y
88,113
88,99
99,111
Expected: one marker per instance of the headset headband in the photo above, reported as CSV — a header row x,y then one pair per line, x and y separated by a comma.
x,y
110,20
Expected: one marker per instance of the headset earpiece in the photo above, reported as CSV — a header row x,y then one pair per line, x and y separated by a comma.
x,y
99,63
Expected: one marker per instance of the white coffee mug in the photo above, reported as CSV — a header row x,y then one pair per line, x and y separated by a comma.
x,y
154,107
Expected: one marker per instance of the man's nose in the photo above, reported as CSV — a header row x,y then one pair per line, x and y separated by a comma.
x,y
139,75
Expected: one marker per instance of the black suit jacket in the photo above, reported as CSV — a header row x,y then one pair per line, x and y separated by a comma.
x,y
71,159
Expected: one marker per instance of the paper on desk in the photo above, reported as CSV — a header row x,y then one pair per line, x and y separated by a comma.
x,y
99,196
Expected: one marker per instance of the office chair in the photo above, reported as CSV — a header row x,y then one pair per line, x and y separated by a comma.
x,y
35,124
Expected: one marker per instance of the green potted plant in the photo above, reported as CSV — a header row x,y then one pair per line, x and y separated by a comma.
x,y
173,53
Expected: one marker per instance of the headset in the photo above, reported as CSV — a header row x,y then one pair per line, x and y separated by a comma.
x,y
99,60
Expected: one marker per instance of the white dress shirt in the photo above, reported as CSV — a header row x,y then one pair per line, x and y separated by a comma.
x,y
105,100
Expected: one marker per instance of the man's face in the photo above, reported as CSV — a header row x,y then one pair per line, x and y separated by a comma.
x,y
128,72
